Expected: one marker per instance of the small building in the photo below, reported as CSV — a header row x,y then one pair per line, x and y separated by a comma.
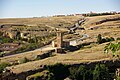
x,y
59,43
73,43
64,44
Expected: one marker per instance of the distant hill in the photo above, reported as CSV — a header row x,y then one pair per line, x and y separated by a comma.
x,y
62,21
102,21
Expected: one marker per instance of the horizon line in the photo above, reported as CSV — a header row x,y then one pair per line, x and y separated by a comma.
x,y
61,14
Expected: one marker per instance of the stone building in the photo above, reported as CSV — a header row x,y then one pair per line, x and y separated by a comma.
x,y
59,39
59,43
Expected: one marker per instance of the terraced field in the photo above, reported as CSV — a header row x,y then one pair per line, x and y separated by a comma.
x,y
107,26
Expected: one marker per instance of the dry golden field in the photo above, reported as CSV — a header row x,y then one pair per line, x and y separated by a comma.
x,y
90,53
51,21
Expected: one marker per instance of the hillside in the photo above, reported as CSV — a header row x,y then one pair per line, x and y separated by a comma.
x,y
102,21
64,21
88,50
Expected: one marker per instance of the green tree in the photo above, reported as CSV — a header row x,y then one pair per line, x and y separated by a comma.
x,y
73,73
113,47
100,72
80,73
59,70
99,39
18,37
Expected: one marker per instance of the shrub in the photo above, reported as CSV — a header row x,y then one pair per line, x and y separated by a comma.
x,y
44,75
109,39
1,54
6,40
118,38
118,78
3,66
26,47
101,40
23,60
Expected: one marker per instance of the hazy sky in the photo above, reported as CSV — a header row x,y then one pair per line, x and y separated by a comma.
x,y
37,8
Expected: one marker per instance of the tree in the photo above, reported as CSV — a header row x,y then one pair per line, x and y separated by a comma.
x,y
80,73
59,70
113,47
100,72
73,73
99,39
1,33
18,35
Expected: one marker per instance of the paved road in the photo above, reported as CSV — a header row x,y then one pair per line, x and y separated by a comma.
x,y
29,54
78,41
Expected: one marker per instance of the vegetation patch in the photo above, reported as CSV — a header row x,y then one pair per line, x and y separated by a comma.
x,y
101,40
3,65
113,47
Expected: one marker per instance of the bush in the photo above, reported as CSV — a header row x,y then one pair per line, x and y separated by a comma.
x,y
23,60
101,40
25,47
109,39
118,78
118,38
6,40
1,54
3,66
44,75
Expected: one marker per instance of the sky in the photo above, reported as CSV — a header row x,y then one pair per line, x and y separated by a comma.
x,y
38,8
